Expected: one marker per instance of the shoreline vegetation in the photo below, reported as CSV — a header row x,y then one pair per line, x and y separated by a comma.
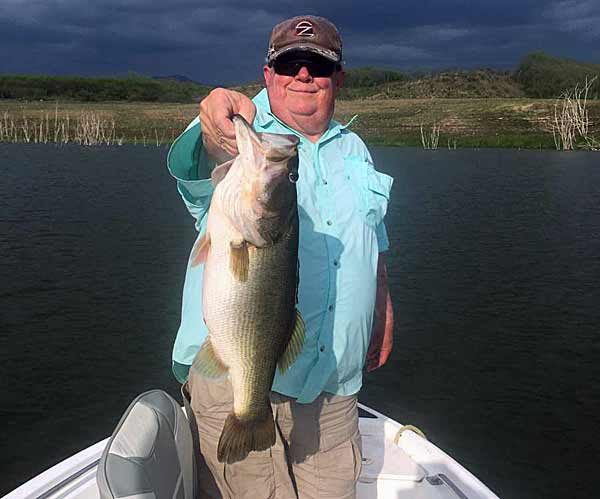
x,y
548,103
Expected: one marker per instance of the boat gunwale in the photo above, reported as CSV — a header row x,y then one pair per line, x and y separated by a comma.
x,y
53,479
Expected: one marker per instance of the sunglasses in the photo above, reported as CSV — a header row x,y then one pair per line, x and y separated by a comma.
x,y
318,67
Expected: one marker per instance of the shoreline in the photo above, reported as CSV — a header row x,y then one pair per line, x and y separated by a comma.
x,y
510,123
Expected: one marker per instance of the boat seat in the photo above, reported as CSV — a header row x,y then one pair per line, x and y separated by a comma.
x,y
150,454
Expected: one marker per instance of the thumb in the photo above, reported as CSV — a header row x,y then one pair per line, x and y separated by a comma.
x,y
235,103
243,106
216,111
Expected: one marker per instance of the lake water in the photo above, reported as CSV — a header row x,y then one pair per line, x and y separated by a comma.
x,y
494,273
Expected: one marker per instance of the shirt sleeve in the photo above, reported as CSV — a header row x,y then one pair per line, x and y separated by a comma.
x,y
380,231
382,238
189,164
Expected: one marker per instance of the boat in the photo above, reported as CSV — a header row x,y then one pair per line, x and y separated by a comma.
x,y
398,461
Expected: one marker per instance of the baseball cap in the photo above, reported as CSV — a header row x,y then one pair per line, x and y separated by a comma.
x,y
311,33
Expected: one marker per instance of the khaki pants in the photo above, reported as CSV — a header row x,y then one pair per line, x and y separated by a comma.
x,y
317,453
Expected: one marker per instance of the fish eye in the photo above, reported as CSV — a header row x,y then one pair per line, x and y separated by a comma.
x,y
293,176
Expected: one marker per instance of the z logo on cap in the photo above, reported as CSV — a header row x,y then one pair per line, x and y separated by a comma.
x,y
304,28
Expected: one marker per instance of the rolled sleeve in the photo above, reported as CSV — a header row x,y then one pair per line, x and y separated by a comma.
x,y
189,164
383,242
382,238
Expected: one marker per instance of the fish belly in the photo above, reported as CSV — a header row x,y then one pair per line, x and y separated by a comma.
x,y
250,322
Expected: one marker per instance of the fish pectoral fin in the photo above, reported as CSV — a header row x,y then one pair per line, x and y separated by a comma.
x,y
207,363
200,250
294,346
239,260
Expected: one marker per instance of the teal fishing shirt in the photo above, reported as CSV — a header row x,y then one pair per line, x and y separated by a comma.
x,y
342,201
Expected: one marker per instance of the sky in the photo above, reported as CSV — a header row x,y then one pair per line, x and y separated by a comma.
x,y
225,42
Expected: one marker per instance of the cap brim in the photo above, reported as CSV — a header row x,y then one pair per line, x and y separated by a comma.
x,y
329,54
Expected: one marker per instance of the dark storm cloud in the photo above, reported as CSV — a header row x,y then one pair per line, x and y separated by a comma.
x,y
226,41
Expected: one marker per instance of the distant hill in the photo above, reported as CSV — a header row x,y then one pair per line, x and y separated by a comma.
x,y
130,88
544,76
480,83
538,75
179,78
248,89
371,77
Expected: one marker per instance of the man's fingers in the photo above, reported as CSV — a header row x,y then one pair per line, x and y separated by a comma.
x,y
245,107
215,143
223,135
230,147
216,112
224,128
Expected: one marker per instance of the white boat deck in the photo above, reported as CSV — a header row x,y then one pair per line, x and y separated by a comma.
x,y
413,468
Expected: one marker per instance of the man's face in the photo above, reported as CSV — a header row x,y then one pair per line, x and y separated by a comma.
x,y
299,93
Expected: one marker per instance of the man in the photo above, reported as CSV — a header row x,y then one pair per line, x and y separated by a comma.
x,y
341,201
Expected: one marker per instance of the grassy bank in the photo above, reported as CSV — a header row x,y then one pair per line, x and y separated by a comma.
x,y
93,123
512,123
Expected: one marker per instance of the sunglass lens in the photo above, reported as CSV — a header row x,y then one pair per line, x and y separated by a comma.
x,y
322,68
286,68
318,68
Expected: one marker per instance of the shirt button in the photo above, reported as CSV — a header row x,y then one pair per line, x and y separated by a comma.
x,y
329,222
335,263
330,308
322,348
324,182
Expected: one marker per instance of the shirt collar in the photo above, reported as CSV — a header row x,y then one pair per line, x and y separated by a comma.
x,y
263,115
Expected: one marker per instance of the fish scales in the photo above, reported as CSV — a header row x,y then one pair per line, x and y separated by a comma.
x,y
245,339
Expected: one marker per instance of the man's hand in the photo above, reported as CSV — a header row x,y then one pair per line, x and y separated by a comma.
x,y
216,111
382,339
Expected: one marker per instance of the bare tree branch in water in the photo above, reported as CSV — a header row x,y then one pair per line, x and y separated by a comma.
x,y
571,118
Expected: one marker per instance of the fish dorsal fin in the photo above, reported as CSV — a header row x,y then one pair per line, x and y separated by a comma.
x,y
220,171
207,363
294,346
248,141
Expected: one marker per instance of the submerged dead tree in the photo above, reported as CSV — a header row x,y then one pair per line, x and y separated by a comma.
x,y
430,139
571,118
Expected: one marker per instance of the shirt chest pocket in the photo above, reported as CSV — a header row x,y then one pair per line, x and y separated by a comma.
x,y
370,188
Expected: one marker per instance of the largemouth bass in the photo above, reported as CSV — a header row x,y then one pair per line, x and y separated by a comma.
x,y
250,251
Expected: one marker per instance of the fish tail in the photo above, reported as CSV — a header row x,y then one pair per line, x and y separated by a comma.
x,y
240,437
